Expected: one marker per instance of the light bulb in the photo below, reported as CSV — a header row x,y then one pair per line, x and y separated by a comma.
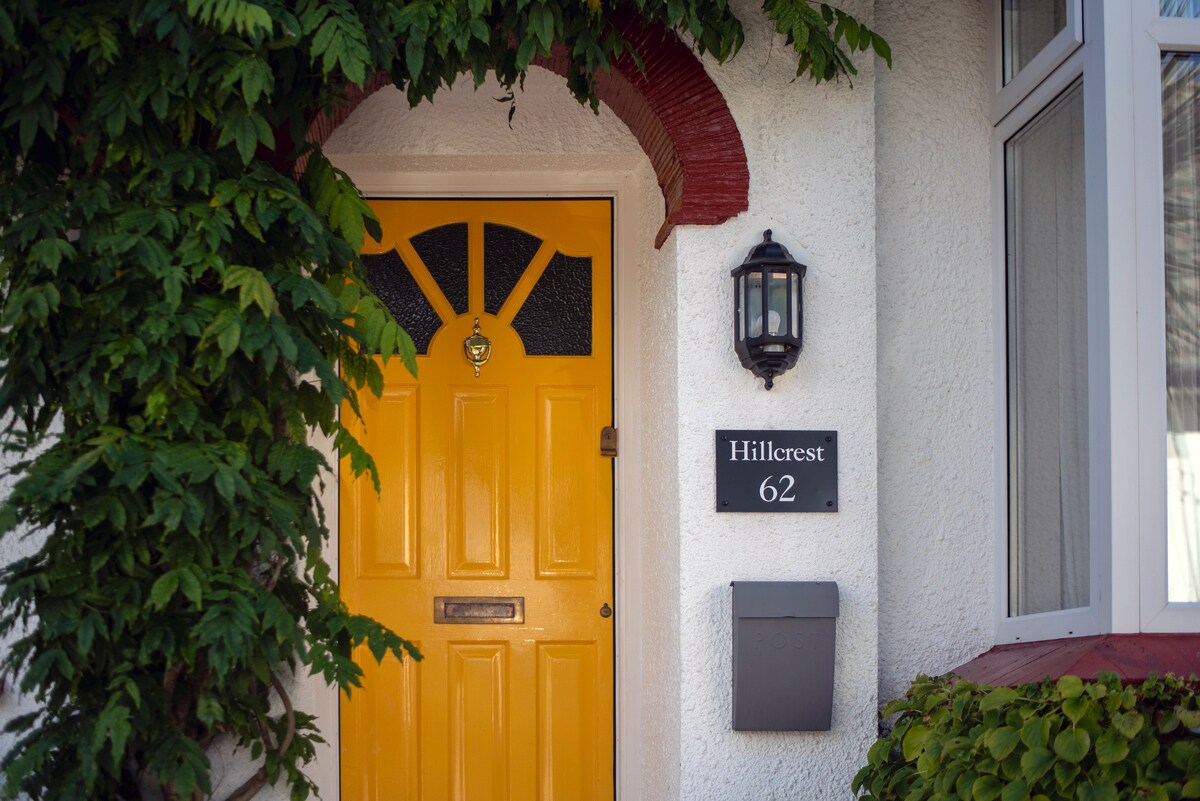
x,y
773,321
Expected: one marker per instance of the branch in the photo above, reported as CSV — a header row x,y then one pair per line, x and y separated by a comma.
x,y
291,715
169,680
251,786
275,575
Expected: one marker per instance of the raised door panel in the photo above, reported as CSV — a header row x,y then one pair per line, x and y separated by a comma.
x,y
386,521
477,538
568,718
478,718
382,761
566,480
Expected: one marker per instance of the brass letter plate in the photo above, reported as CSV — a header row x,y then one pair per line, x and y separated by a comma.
x,y
475,609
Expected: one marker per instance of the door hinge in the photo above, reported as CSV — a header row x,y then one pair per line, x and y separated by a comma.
x,y
608,441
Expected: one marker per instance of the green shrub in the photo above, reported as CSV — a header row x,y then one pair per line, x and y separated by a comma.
x,y
1097,740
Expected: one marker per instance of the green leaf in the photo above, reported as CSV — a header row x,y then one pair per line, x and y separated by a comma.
x,y
1035,763
1097,791
1070,687
986,788
51,252
1072,744
1128,723
1036,732
253,288
164,589
1017,790
541,23
1001,742
114,725
878,753
997,698
1111,747
914,741
1191,789
1075,708
190,586
1065,775
247,130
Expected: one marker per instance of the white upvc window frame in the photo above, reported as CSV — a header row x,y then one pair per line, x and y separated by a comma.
x,y
1064,60
1120,63
1057,50
1151,36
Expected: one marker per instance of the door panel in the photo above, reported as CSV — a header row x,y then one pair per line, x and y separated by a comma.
x,y
388,521
492,487
477,539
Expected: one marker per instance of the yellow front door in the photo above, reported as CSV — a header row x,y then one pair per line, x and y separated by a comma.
x,y
490,544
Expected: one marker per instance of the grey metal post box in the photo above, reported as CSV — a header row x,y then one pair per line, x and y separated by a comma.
x,y
783,655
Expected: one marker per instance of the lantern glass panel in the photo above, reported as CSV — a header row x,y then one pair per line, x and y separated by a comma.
x,y
741,308
777,304
795,307
754,303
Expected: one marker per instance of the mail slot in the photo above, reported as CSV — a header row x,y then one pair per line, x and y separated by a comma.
x,y
783,646
476,609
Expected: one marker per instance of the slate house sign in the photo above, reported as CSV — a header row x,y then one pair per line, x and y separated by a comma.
x,y
777,471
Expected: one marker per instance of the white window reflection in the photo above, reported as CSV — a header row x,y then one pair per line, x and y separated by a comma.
x,y
1181,161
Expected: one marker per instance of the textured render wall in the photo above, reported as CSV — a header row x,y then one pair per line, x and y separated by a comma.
x,y
12,703
936,404
810,150
467,121
661,647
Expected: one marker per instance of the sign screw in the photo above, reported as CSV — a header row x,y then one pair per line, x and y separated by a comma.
x,y
829,503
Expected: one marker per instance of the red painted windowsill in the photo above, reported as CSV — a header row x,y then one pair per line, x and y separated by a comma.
x,y
1133,657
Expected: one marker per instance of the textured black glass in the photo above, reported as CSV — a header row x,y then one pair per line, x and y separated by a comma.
x,y
506,253
444,251
395,286
556,319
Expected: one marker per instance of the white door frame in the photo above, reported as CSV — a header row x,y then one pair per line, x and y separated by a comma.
x,y
571,176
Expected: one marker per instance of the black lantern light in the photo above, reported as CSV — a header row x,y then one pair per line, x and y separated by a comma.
x,y
768,300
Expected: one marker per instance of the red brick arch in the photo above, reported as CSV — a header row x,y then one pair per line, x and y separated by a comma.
x,y
675,111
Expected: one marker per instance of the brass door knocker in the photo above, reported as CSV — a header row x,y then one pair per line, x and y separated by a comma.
x,y
478,349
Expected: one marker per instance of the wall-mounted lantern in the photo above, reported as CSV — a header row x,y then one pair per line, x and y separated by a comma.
x,y
768,315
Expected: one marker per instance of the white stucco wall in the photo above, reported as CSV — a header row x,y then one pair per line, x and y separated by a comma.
x,y
12,702
810,150
473,122
936,403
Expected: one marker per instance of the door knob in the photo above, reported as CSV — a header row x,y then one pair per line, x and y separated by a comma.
x,y
606,611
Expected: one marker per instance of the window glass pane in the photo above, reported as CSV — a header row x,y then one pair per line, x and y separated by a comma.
x,y
1028,25
1179,8
1048,558
1181,161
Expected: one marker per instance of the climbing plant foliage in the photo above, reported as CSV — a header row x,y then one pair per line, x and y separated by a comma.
x,y
181,313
